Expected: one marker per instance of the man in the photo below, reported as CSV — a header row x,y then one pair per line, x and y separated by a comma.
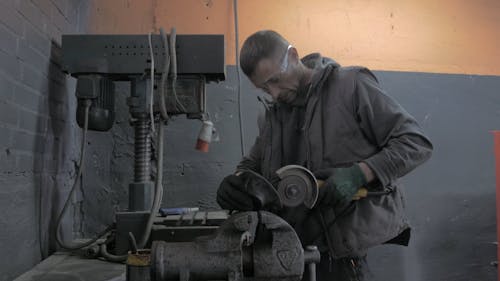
x,y
337,122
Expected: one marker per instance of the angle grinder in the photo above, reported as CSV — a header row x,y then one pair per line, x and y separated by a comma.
x,y
297,185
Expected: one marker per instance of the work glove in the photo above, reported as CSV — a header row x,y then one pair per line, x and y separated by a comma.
x,y
341,185
232,194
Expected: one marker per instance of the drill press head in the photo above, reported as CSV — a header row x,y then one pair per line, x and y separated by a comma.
x,y
97,61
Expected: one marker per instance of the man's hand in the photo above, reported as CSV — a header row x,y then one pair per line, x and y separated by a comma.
x,y
231,194
341,185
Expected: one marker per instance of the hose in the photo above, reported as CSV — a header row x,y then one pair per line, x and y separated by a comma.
x,y
75,246
110,257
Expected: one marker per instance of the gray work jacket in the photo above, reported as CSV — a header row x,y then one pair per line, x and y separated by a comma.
x,y
347,118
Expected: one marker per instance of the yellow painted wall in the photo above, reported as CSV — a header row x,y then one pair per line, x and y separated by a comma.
x,y
444,36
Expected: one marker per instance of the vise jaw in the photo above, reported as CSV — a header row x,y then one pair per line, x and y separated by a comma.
x,y
247,246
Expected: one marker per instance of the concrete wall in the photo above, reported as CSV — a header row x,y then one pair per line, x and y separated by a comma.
x,y
450,199
39,141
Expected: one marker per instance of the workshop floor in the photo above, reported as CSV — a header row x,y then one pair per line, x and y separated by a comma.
x,y
67,267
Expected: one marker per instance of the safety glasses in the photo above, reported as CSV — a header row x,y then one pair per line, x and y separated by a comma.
x,y
284,63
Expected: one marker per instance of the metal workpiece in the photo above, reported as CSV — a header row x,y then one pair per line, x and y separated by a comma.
x,y
186,227
249,245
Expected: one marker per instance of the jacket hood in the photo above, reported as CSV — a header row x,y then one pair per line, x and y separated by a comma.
x,y
322,66
316,60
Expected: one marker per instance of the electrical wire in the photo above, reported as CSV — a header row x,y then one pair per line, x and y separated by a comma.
x,y
237,56
340,214
103,249
59,241
164,76
151,101
173,58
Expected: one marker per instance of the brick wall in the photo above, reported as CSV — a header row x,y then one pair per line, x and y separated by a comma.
x,y
38,139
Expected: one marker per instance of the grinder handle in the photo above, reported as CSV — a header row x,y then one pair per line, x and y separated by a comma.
x,y
361,193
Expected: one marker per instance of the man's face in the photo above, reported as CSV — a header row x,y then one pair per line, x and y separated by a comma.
x,y
276,77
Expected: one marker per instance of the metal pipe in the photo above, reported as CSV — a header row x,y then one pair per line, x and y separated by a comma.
x,y
312,271
311,258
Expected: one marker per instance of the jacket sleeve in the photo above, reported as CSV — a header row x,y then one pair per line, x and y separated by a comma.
x,y
253,159
402,142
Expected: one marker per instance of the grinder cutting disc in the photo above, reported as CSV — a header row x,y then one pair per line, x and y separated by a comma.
x,y
297,186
